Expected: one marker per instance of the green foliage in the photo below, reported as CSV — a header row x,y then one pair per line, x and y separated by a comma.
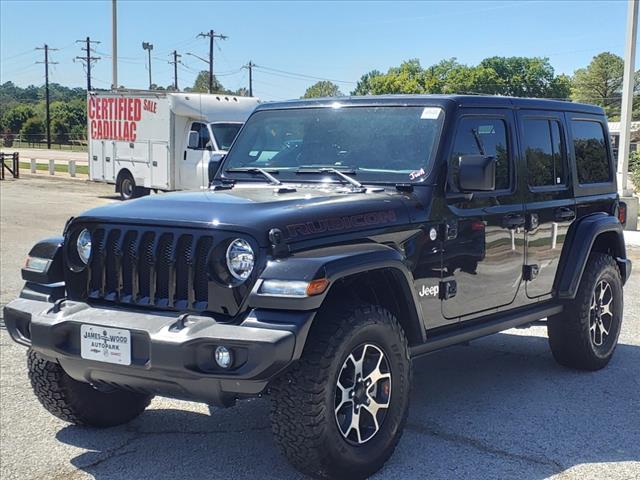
x,y
600,83
201,84
634,169
527,77
14,118
514,76
33,129
363,86
323,88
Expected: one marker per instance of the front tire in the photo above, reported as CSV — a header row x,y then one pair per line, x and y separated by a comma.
x,y
78,402
584,336
339,412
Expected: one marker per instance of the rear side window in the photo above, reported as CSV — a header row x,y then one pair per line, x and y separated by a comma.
x,y
543,151
592,160
482,136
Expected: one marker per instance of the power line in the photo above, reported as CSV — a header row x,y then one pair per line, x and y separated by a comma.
x,y
212,36
88,59
46,79
275,71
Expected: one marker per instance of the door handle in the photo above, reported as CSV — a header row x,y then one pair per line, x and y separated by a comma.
x,y
564,214
513,221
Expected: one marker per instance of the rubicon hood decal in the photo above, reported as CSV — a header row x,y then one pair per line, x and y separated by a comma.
x,y
335,224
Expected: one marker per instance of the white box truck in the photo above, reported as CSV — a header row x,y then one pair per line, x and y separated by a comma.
x,y
142,140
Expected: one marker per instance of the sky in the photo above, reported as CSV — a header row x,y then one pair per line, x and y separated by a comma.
x,y
295,43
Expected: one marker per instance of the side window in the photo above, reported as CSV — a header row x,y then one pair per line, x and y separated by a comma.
x,y
543,151
482,136
203,134
592,160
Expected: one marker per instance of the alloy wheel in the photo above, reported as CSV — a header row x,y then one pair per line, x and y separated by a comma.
x,y
600,313
363,394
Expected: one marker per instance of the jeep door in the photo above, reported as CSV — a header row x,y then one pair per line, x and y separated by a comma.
x,y
549,197
483,249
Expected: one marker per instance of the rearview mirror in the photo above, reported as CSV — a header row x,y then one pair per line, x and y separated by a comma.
x,y
194,140
477,173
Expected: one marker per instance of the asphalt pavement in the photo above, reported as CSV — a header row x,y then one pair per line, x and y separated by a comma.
x,y
500,408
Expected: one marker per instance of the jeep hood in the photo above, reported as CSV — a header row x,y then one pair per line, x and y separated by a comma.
x,y
311,211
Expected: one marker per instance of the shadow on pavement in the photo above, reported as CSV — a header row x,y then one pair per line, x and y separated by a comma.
x,y
499,408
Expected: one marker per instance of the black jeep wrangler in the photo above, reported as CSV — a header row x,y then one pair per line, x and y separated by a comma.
x,y
339,240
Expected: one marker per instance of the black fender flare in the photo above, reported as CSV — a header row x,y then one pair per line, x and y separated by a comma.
x,y
336,263
580,241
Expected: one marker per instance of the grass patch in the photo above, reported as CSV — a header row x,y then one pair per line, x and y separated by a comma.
x,y
59,167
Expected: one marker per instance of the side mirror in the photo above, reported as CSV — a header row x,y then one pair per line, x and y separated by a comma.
x,y
477,173
194,140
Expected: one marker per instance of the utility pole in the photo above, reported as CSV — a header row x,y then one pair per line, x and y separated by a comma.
x,y
627,98
88,59
212,35
46,82
250,67
114,45
176,56
148,47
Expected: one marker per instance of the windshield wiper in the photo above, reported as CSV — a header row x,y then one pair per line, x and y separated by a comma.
x,y
334,171
270,178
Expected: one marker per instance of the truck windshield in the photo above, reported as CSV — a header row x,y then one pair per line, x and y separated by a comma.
x,y
390,144
225,133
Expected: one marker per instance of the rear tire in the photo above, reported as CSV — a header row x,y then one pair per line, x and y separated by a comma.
x,y
584,336
321,408
78,402
127,187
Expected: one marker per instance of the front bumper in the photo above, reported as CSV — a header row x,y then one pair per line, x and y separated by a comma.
x,y
171,355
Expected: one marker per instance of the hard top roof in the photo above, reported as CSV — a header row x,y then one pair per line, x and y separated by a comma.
x,y
487,101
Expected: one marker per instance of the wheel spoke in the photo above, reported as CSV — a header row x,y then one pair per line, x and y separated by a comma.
x,y
355,425
344,397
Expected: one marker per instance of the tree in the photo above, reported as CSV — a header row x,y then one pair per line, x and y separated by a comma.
x,y
409,77
527,77
323,88
363,86
201,84
33,130
14,118
600,83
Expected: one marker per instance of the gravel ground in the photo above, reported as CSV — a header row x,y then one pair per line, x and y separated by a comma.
x,y
499,408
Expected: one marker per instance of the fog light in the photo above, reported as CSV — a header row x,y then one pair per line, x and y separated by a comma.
x,y
224,357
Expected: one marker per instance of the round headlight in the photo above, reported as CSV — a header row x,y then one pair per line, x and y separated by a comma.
x,y
83,245
240,259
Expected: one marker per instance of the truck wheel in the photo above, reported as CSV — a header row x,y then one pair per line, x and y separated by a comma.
x,y
585,334
340,410
77,402
127,187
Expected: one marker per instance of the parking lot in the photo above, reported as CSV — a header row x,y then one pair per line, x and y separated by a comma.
x,y
497,408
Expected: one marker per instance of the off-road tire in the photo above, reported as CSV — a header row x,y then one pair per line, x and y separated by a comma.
x,y
78,402
569,335
302,414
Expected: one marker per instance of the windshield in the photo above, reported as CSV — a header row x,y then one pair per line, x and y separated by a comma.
x,y
384,144
225,133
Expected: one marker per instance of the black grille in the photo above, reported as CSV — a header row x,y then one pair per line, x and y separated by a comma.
x,y
150,268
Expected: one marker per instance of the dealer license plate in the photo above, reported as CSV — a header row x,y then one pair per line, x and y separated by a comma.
x,y
103,344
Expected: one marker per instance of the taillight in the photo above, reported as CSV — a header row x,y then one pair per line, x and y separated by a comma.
x,y
622,213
